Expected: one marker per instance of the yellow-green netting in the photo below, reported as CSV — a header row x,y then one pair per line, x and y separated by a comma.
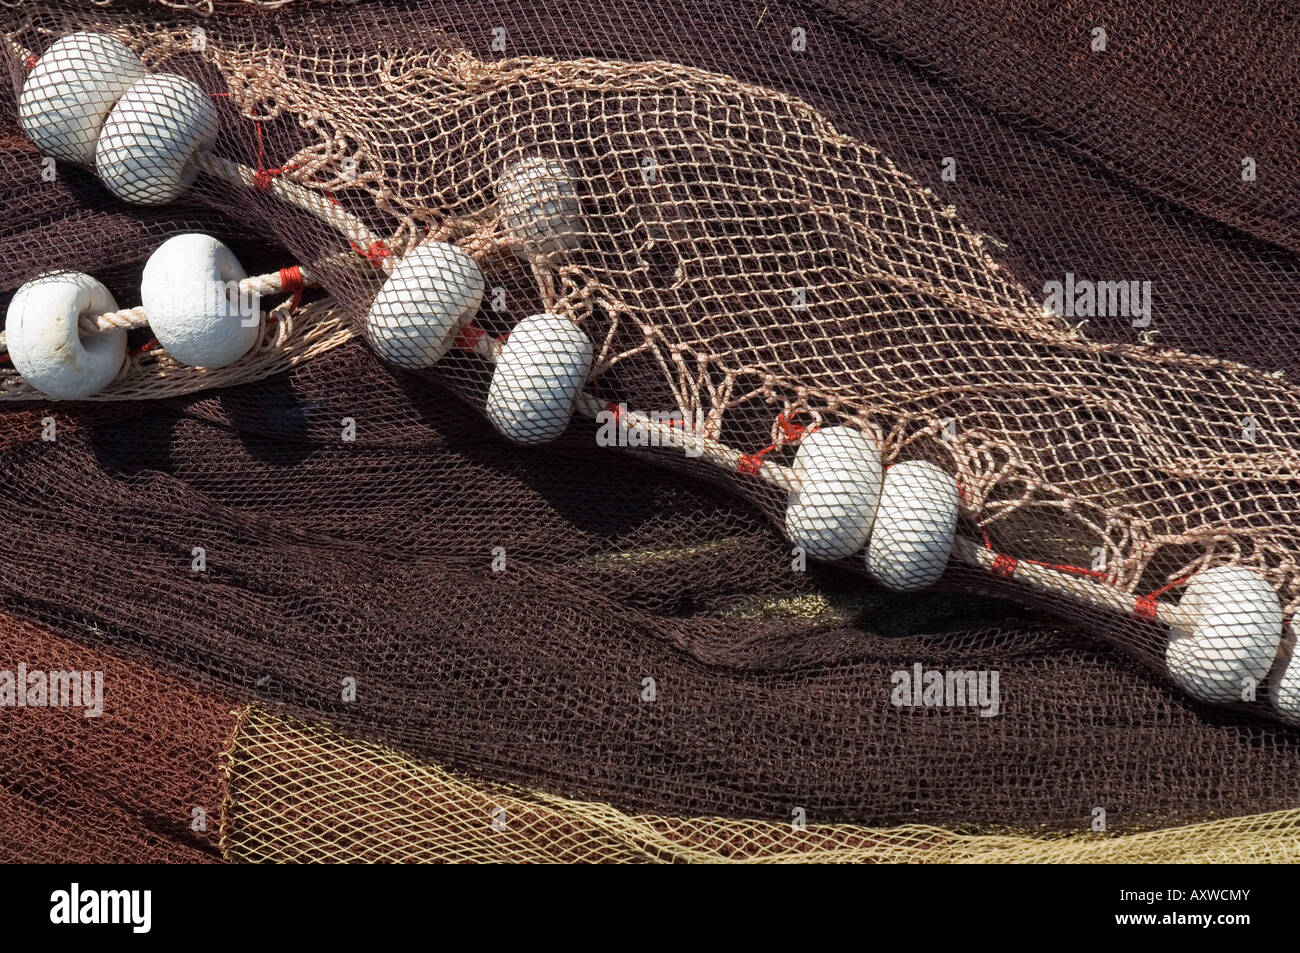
x,y
302,792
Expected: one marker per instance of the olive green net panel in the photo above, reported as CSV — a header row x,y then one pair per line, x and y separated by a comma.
x,y
764,246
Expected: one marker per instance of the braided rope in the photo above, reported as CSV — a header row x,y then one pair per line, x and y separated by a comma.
x,y
286,280
367,244
1045,579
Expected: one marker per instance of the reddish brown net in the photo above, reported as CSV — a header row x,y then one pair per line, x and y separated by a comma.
x,y
749,251
130,773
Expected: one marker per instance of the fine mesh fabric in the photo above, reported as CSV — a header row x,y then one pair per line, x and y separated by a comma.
x,y
140,782
301,793
751,665
761,235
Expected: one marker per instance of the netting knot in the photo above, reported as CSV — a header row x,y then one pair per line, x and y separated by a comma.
x,y
1004,566
376,253
468,337
1146,607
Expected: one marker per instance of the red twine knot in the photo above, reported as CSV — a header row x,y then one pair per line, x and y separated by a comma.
x,y
750,464
468,337
1003,566
291,282
262,178
376,253
1146,607
793,432
291,279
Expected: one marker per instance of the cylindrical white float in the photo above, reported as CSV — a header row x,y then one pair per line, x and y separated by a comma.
x,y
912,536
70,90
540,370
831,514
44,340
540,205
1230,638
190,291
147,148
432,291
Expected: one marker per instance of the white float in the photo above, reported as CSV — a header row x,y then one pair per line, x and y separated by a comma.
x,y
70,90
1229,636
190,291
831,514
147,149
432,291
540,205
540,370
45,345
916,520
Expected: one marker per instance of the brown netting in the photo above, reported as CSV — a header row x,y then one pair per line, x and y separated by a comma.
x,y
774,181
767,693
122,787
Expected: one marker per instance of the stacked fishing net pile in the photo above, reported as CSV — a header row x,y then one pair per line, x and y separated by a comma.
x,y
727,253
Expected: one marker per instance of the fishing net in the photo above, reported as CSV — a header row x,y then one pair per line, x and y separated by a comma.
x,y
301,793
759,241
170,773
137,782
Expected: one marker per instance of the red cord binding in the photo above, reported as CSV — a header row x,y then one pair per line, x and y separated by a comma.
x,y
1004,566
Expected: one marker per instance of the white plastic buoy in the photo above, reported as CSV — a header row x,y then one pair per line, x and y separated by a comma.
x,y
44,343
1231,637
831,514
915,522
70,90
540,205
1284,681
190,292
432,291
148,144
541,369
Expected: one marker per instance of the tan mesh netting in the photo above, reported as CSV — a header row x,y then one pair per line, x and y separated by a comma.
x,y
301,793
767,247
